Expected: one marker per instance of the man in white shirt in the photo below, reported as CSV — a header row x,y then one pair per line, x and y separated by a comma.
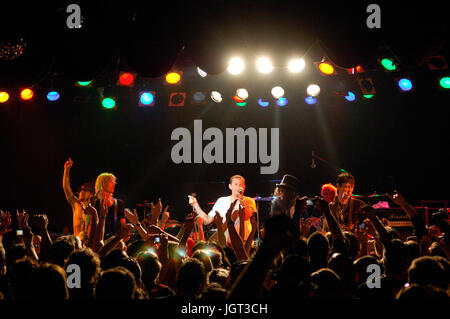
x,y
237,187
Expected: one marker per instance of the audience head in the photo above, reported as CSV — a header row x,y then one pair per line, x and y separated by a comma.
x,y
427,270
203,256
329,285
51,282
191,279
116,283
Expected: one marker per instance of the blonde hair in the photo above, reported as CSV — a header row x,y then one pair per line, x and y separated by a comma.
x,y
102,179
236,176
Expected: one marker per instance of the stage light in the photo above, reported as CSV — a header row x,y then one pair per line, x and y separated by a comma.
x,y
126,79
405,84
53,96
263,103
84,83
146,98
282,101
296,65
199,97
437,63
177,99
237,99
241,104
326,68
4,97
277,92
235,66
355,70
310,100
216,97
445,82
367,96
313,90
350,96
201,72
173,78
26,94
367,87
264,65
242,94
108,103
388,64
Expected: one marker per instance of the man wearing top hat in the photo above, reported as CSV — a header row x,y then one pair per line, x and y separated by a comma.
x,y
285,202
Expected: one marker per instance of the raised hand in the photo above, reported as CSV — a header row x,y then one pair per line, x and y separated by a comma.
x,y
320,203
68,164
254,221
22,219
434,232
301,203
192,201
132,217
155,211
305,226
397,198
229,212
5,222
90,210
40,221
218,220
166,216
126,231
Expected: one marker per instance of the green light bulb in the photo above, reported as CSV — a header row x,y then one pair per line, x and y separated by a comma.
x,y
388,64
108,103
84,83
445,82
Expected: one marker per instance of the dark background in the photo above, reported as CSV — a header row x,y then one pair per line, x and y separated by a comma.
x,y
393,141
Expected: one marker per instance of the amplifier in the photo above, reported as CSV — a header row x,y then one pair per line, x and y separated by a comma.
x,y
399,220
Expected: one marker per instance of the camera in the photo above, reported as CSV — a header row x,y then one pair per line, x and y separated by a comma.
x,y
309,202
157,239
19,232
362,226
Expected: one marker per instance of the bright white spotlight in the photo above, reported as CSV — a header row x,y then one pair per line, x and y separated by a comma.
x,y
277,92
264,65
201,72
242,94
216,96
313,90
235,66
296,65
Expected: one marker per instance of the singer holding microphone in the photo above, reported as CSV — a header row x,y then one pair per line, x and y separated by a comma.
x,y
345,208
237,188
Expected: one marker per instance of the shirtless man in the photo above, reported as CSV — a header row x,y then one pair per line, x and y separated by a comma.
x,y
79,203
